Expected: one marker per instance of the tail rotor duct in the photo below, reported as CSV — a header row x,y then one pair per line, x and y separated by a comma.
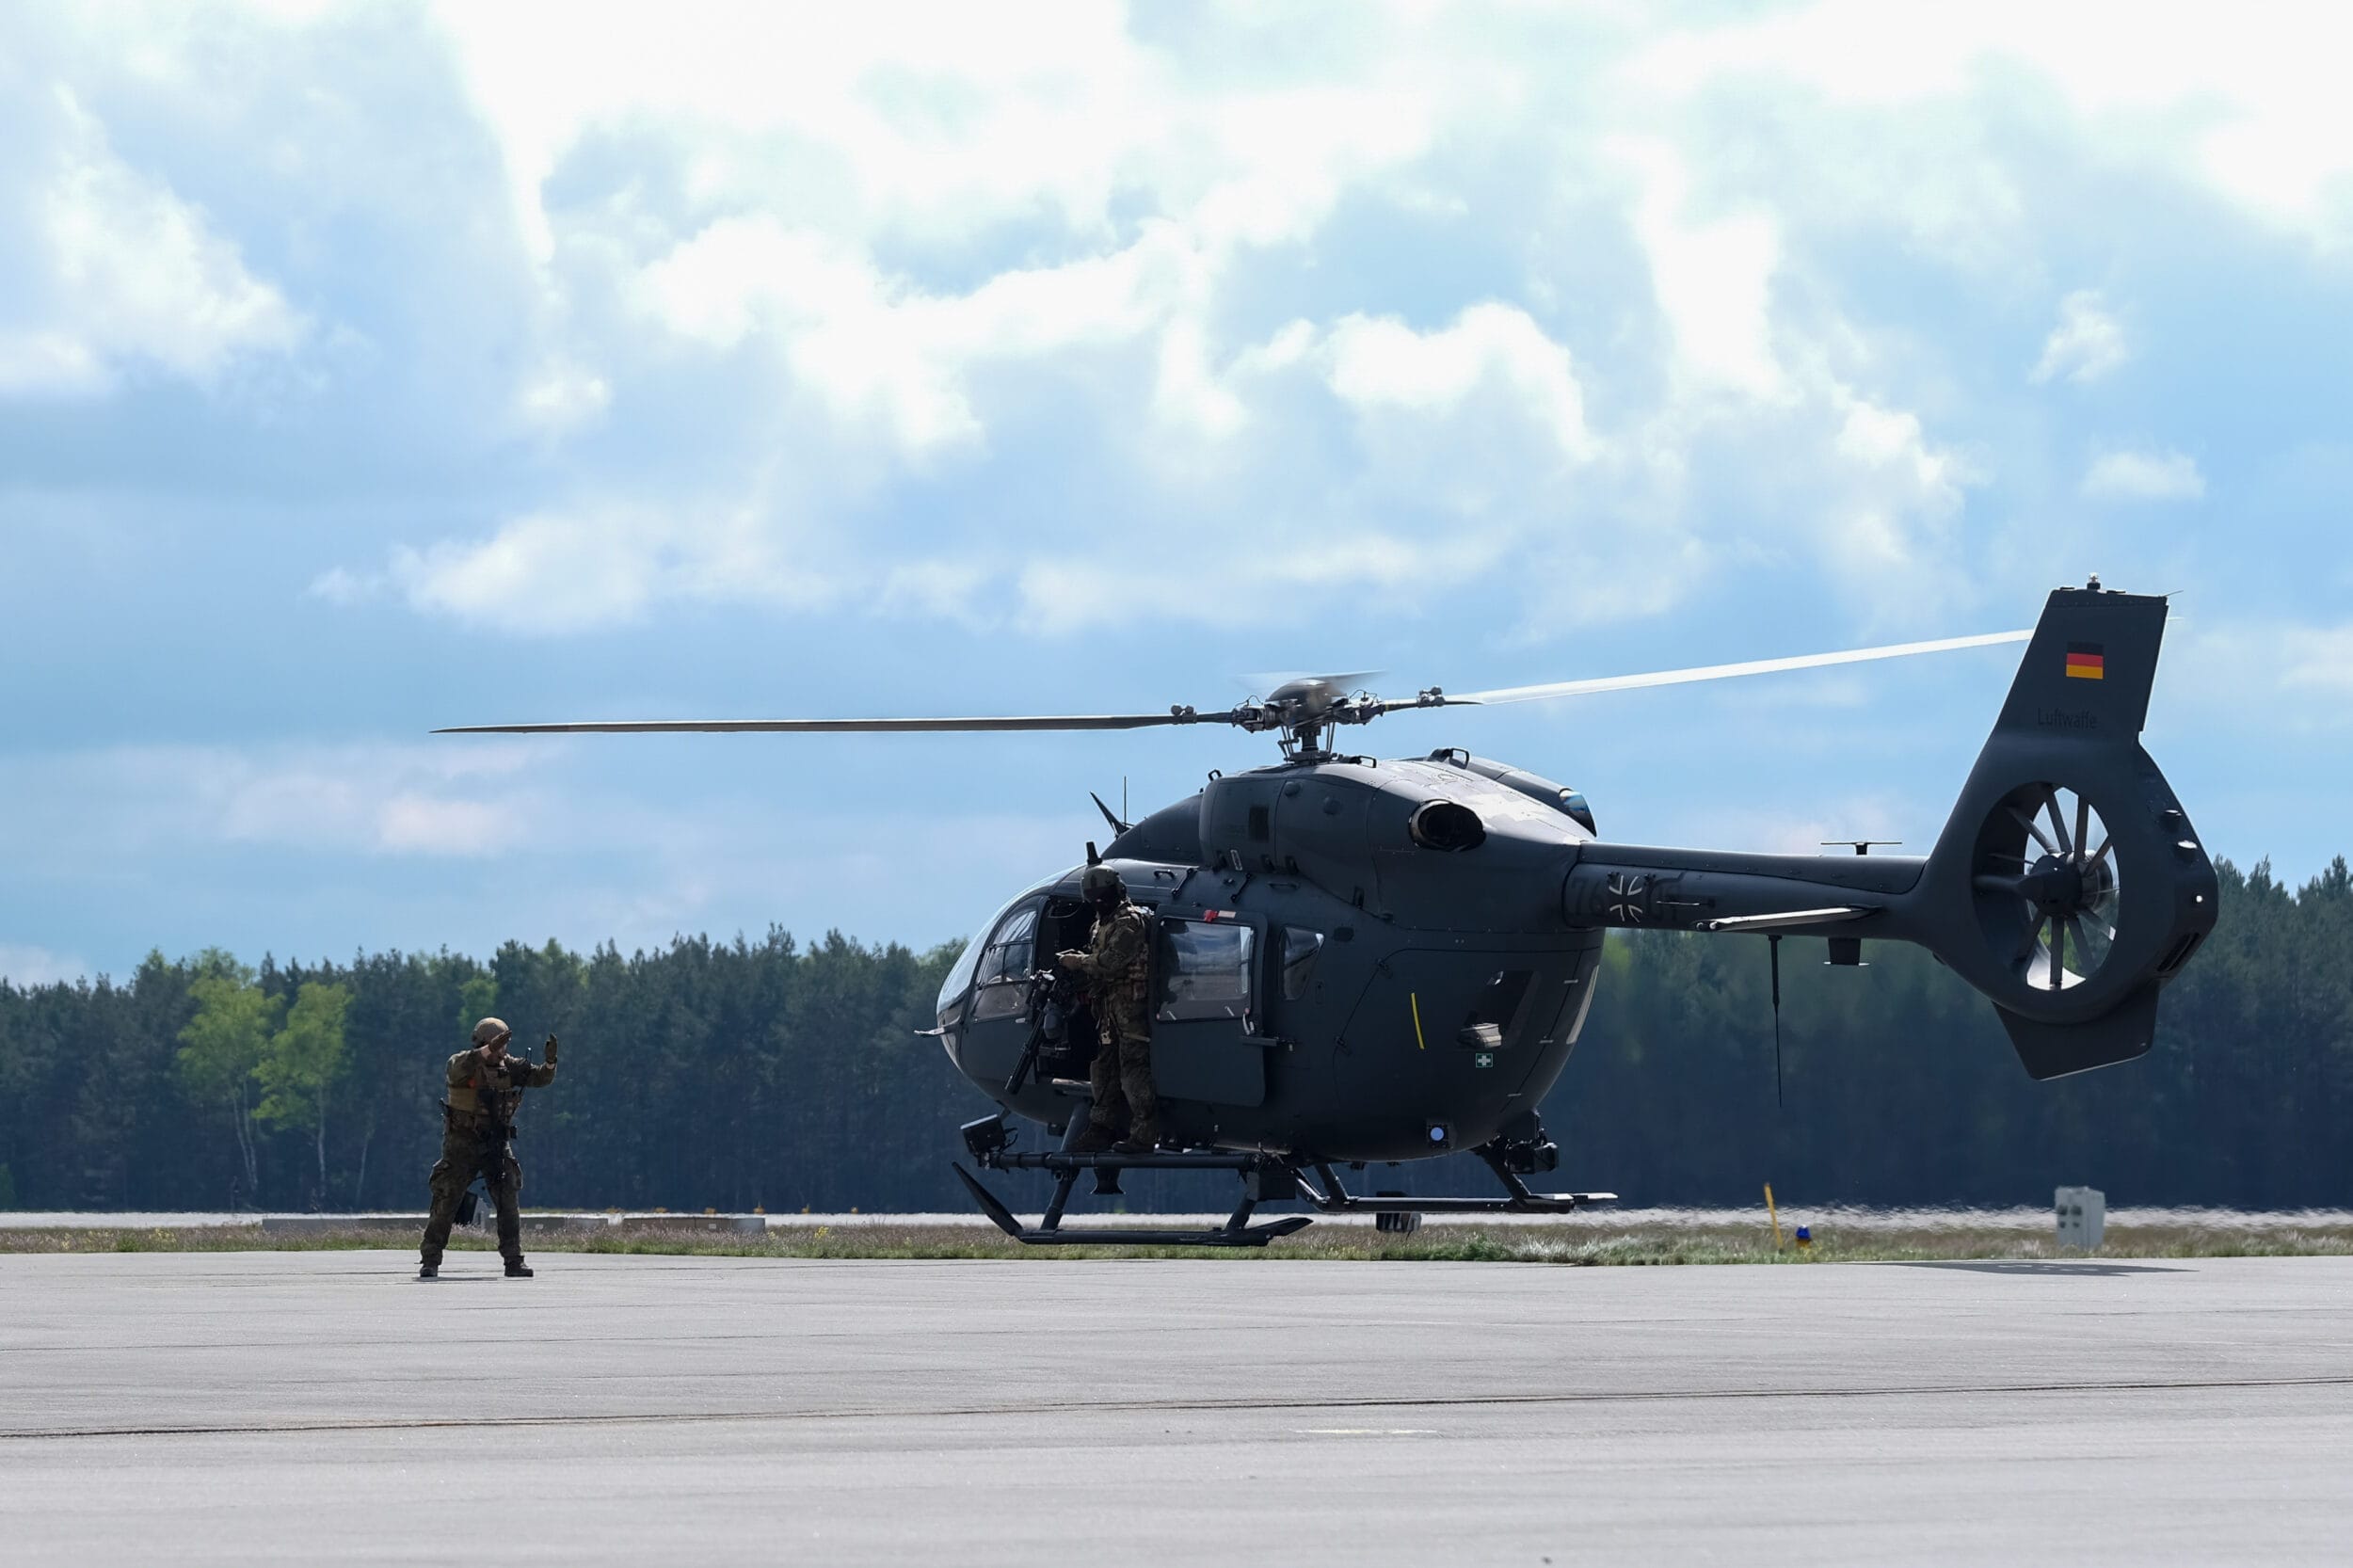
x,y
2047,885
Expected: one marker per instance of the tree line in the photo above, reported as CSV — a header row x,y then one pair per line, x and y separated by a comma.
x,y
769,1073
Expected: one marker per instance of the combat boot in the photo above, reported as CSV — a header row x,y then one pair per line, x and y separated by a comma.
x,y
1095,1140
428,1270
1141,1140
518,1269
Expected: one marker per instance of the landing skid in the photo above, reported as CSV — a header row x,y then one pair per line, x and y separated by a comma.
x,y
1236,1232
1336,1199
1265,1179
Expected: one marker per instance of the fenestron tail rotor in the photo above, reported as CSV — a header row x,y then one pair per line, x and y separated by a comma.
x,y
2047,885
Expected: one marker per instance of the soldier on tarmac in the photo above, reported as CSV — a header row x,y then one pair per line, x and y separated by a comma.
x,y
486,1087
1117,970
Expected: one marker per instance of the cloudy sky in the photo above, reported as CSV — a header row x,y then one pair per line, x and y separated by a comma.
x,y
369,368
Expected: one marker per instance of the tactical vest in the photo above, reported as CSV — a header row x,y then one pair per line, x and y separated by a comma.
x,y
467,1100
1130,995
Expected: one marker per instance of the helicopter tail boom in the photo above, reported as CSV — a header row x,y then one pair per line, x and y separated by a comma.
x,y
2067,885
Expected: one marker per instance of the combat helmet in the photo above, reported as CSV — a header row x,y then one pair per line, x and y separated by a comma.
x,y
490,1030
1101,884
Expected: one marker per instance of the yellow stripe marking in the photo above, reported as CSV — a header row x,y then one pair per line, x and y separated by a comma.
x,y
2078,672
1420,1044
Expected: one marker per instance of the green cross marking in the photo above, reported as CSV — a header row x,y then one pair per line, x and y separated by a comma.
x,y
1484,1059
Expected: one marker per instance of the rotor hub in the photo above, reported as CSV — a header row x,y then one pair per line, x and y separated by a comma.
x,y
2055,886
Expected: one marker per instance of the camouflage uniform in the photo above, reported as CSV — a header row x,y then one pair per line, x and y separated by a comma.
x,y
1118,967
469,1148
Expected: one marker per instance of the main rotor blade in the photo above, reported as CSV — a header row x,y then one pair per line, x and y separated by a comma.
x,y
1726,672
805,726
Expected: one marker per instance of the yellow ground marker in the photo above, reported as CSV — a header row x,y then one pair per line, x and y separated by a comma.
x,y
1771,1213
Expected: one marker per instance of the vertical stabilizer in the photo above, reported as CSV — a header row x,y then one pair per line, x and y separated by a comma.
x,y
2069,885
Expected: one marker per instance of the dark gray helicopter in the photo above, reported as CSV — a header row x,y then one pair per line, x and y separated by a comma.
x,y
1362,960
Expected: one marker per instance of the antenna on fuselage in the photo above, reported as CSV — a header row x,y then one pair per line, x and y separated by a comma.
x,y
1119,823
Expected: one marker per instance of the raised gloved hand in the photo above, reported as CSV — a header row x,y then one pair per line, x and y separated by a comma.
x,y
551,1050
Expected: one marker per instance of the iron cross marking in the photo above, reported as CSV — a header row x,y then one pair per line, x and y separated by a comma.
x,y
1628,897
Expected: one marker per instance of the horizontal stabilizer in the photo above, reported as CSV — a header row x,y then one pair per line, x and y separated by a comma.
x,y
1790,920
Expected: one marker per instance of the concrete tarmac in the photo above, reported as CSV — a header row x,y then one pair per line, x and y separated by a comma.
x,y
314,1407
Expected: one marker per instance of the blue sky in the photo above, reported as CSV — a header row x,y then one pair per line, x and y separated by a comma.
x,y
370,368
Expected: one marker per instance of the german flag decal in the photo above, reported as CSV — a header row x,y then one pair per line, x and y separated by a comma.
x,y
2087,662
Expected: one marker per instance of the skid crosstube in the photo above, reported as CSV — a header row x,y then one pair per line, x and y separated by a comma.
x,y
1334,1198
1236,1232
1264,1177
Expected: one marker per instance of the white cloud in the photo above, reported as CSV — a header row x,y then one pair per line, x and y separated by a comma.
x,y
563,397
413,823
937,121
924,251
836,322
28,966
936,117
885,357
2316,657
2087,343
1712,277
49,363
1378,363
1188,392
1076,593
123,274
2143,476
2256,110
341,585
565,572
459,797
1601,297
2266,676
1899,492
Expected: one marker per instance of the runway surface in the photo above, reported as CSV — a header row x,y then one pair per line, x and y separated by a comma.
x,y
323,1406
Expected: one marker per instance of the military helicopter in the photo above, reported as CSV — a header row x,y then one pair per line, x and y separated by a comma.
x,y
1364,960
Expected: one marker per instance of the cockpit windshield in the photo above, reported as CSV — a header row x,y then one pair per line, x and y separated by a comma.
x,y
959,978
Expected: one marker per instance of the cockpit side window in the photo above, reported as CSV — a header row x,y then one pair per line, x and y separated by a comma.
x,y
1003,974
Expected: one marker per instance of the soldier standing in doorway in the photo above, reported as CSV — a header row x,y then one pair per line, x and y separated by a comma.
x,y
486,1087
1117,967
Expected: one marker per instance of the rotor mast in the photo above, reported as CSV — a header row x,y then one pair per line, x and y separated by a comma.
x,y
1306,713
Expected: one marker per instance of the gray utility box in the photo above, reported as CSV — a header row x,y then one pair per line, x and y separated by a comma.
x,y
2083,1216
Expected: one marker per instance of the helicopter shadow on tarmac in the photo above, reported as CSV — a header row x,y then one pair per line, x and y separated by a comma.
x,y
2049,1271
